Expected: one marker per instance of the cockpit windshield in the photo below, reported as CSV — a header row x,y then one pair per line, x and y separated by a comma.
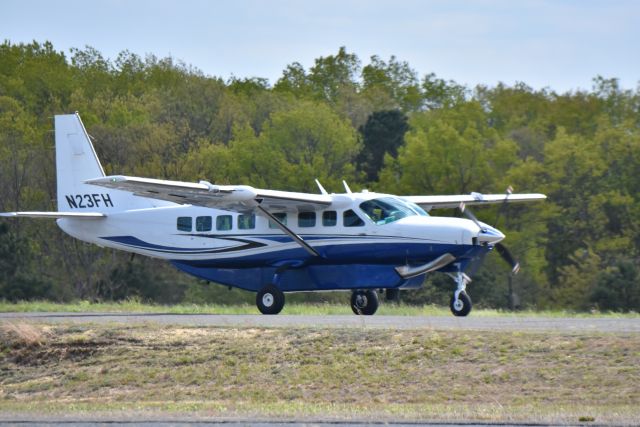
x,y
385,210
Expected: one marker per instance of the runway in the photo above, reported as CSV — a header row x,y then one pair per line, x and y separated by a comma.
x,y
486,323
79,422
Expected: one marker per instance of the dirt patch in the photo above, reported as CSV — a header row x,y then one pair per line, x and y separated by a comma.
x,y
28,344
23,334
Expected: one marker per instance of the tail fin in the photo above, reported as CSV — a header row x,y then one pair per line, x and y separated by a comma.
x,y
77,162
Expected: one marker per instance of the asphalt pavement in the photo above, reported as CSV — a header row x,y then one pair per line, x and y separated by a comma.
x,y
504,323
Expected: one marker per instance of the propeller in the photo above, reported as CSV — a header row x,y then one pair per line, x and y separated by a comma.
x,y
504,205
470,215
502,249
506,255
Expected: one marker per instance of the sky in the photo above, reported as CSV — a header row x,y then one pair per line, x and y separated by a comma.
x,y
560,45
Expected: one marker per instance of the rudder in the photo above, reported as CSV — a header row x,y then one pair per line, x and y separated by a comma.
x,y
77,162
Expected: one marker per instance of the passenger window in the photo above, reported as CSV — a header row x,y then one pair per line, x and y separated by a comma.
x,y
246,222
223,222
351,219
329,218
306,219
282,217
203,223
185,223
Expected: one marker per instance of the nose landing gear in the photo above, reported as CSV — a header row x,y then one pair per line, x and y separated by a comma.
x,y
460,302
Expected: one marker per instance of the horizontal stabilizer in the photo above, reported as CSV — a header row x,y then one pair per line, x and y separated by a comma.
x,y
78,215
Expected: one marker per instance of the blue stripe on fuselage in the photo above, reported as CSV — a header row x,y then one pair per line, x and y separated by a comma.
x,y
248,242
357,249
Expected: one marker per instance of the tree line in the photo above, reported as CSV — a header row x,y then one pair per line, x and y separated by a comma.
x,y
378,125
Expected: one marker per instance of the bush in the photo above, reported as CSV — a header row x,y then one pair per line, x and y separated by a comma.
x,y
618,287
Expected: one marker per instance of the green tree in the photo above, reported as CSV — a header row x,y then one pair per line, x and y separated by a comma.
x,y
391,84
35,75
438,93
382,134
315,143
617,288
332,75
19,280
294,80
449,151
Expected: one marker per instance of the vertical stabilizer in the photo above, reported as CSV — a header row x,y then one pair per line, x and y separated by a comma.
x,y
76,160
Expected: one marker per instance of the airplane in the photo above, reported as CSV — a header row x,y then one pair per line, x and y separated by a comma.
x,y
273,242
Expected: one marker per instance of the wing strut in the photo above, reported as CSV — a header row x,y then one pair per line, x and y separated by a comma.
x,y
289,232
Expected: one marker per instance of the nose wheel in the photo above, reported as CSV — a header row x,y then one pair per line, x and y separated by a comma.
x,y
364,302
460,306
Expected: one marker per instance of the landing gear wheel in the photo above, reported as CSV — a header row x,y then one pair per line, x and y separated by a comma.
x,y
364,302
270,300
461,306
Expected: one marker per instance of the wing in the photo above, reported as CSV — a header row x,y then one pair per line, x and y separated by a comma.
x,y
435,202
230,197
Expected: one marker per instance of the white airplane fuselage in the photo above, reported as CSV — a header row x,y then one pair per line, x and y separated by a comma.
x,y
210,245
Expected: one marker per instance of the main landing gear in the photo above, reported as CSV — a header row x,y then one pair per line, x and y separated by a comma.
x,y
460,302
270,300
364,302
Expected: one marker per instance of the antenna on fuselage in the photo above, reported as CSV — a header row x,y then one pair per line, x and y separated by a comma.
x,y
346,186
322,190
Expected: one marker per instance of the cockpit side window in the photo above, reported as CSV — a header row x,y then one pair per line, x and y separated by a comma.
x,y
387,209
351,219
417,209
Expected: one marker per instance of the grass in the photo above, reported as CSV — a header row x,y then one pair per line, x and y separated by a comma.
x,y
295,309
314,373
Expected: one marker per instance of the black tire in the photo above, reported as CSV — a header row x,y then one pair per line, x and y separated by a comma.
x,y
270,300
463,307
364,302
